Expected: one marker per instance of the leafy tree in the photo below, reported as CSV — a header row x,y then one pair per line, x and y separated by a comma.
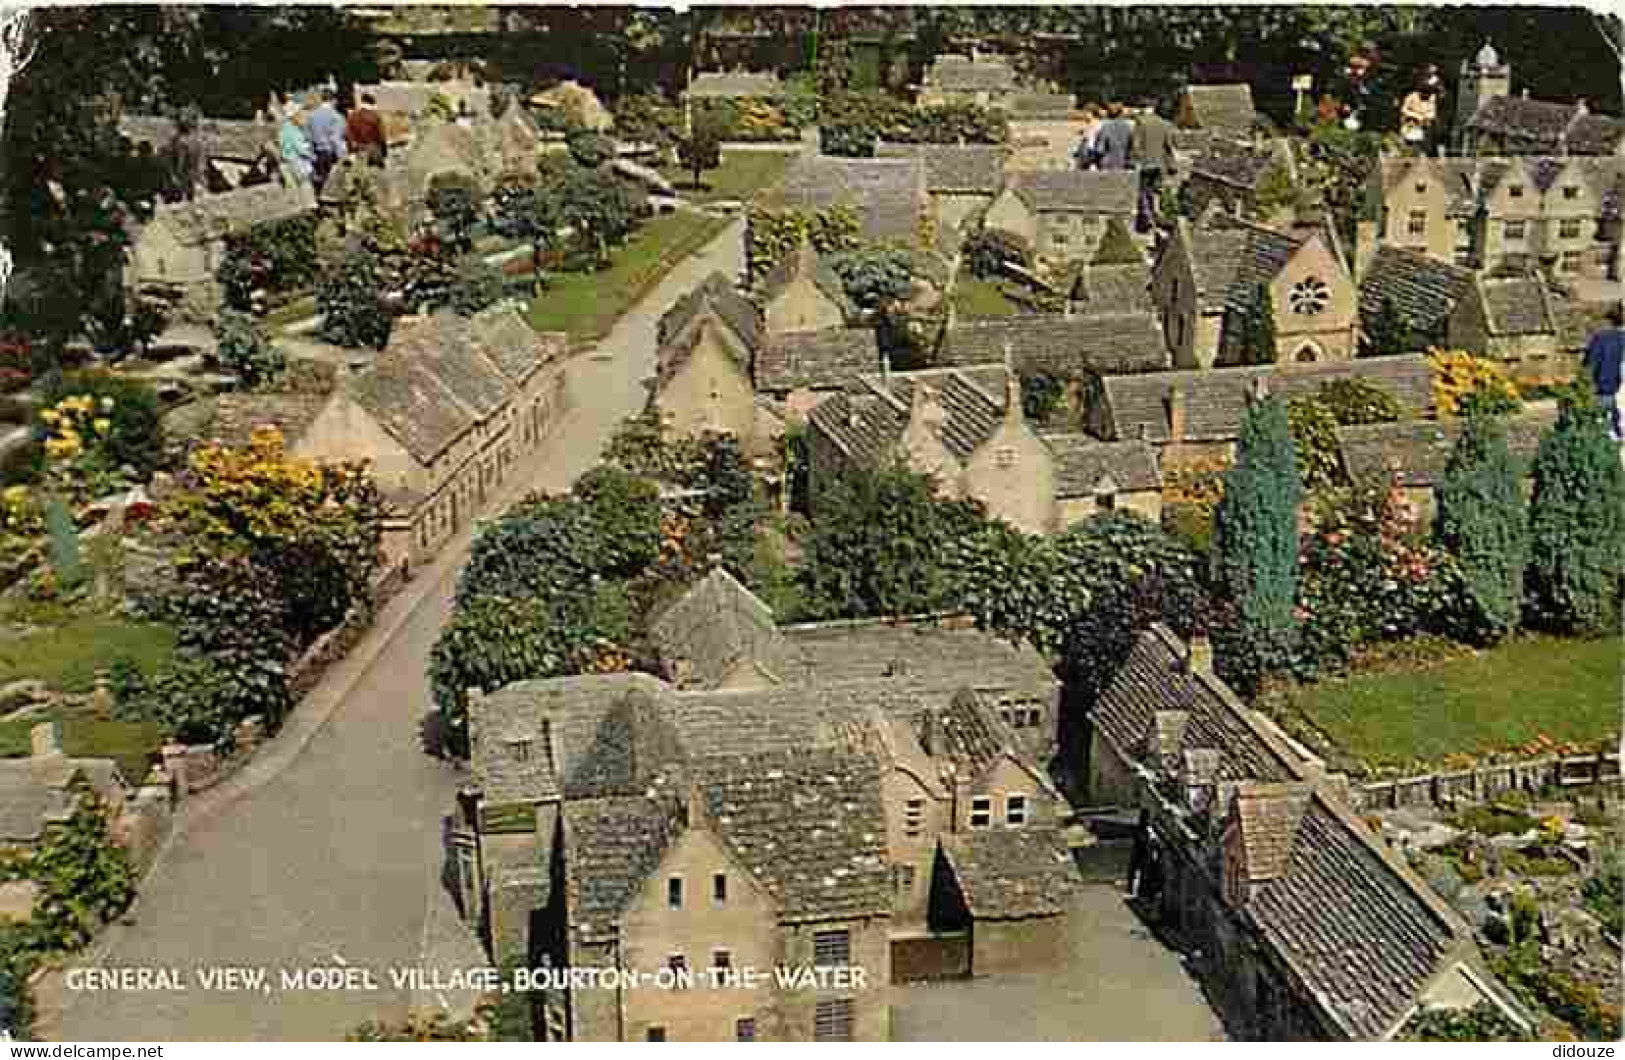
x,y
875,277
1314,439
1010,582
724,474
590,149
1042,396
601,208
1481,1023
525,212
1389,331
245,351
990,250
478,285
701,148
1354,401
1255,558
455,203
625,514
543,548
877,546
350,297
1576,524
1482,523
66,562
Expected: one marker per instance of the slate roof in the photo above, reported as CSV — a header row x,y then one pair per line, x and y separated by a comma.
x,y
235,141
818,360
411,404
717,625
954,168
1061,344
934,659
237,415
517,349
1228,107
1216,398
736,85
800,714
1085,466
1416,452
614,844
962,73
1595,134
1012,873
887,193
1548,126
1356,927
1424,289
1239,165
966,734
1516,306
1231,261
1109,290
212,217
1093,191
717,295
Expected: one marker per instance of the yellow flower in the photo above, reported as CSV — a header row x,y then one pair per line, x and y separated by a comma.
x,y
16,495
107,404
50,415
102,425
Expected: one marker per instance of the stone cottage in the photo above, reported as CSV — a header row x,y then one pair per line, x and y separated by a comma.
x,y
1424,290
443,415
1491,120
1500,215
736,84
1063,214
984,80
888,195
966,428
177,254
1299,919
1415,453
1074,347
800,369
1207,280
803,293
1237,179
708,342
1513,320
1225,108
962,179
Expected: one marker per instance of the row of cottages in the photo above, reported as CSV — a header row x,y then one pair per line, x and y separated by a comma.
x,y
1413,454
965,427
982,80
1299,919
1521,321
1196,415
1064,214
443,414
1207,283
698,833
1499,215
1491,120
235,153
1238,179
176,256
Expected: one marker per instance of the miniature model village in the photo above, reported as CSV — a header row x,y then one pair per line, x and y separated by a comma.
x,y
782,524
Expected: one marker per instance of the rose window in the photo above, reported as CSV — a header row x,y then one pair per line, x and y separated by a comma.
x,y
1310,297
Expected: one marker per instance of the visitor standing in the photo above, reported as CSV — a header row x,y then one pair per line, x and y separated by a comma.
x,y
1153,153
1417,114
1357,89
1087,155
297,155
1603,356
1115,139
365,132
327,128
186,161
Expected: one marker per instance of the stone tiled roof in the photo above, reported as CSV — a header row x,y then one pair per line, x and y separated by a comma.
x,y
517,349
614,844
1595,134
715,295
444,345
954,168
819,360
1227,107
1231,261
1094,191
717,625
1517,306
1356,927
1416,452
411,404
966,734
237,415
808,825
1424,289
234,141
1066,345
801,714
35,792
962,73
933,659
1085,466
1012,873
213,217
1241,166
1109,290
1535,121
737,85
887,193
1215,399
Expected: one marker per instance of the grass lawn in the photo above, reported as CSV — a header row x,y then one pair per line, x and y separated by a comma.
x,y
741,175
973,297
134,745
67,656
1529,694
586,305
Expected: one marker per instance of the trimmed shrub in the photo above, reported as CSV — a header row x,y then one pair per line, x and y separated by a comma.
x,y
1576,525
1482,522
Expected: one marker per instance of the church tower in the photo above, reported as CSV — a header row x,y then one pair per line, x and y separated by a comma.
x,y
1482,79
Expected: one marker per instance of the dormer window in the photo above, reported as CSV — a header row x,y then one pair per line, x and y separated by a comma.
x,y
1421,187
1515,191
521,750
1571,193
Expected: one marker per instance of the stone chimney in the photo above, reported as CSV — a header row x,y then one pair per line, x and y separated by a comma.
x,y
1176,413
1260,834
45,740
1199,777
1164,739
1198,657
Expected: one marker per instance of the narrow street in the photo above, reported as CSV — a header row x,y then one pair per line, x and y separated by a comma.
x,y
327,850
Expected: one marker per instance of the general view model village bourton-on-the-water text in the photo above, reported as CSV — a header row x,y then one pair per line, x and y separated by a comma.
x,y
552,523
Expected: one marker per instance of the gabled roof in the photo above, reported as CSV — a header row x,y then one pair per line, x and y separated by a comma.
x,y
412,405
717,625
1228,107
1216,398
1061,344
818,360
1416,452
931,658
1094,191
1085,466
867,426
1108,290
1238,165
716,84
614,844
1595,134
236,416
806,260
717,295
233,141
1230,262
964,73
1424,289
888,194
1012,873
954,168
967,734
1516,306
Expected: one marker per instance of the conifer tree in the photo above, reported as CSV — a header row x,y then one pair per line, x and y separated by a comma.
x,y
1390,332
1255,556
1483,523
1576,524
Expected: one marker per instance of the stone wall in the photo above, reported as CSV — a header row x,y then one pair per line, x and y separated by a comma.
x,y
1487,782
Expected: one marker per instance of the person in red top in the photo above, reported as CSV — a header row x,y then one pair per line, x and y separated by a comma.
x,y
364,132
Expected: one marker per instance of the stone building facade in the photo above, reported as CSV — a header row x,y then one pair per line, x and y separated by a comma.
x,y
1513,320
1063,214
708,343
1491,120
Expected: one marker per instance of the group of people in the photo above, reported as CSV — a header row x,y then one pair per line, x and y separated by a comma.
x,y
312,143
1138,139
1349,103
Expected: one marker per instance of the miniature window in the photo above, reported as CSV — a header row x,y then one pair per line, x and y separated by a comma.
x,y
721,960
1309,296
981,812
1005,456
1571,193
902,877
1569,229
1015,810
521,750
1421,187
1464,257
1514,230
744,1029
674,892
655,1034
1515,191
832,1020
1570,262
913,817
1417,224
832,949
719,888
1060,239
